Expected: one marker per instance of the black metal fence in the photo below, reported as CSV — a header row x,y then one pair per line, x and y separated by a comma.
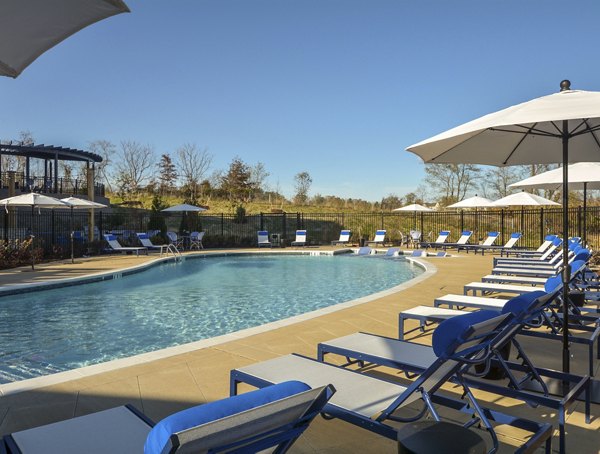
x,y
52,228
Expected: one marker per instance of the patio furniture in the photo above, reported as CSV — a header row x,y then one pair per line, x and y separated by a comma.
x,y
379,238
300,238
343,239
196,240
176,240
114,245
263,239
144,238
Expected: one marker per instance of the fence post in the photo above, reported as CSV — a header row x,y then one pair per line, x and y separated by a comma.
x,y
462,221
502,225
262,222
284,225
422,232
542,236
382,220
579,222
222,226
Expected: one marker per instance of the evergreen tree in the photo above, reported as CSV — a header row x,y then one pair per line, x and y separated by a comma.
x,y
167,174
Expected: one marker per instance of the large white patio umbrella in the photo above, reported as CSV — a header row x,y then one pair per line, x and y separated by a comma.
x,y
558,128
32,200
472,202
28,28
523,199
582,176
79,204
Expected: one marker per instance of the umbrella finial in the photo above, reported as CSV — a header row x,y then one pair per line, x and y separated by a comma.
x,y
565,85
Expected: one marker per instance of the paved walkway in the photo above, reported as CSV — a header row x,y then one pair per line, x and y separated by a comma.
x,y
163,386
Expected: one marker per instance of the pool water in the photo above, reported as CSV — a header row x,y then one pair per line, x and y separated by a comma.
x,y
176,303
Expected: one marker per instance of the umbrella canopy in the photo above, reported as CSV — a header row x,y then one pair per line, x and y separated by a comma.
x,y
184,207
33,199
472,202
523,199
28,28
561,127
75,202
413,207
583,175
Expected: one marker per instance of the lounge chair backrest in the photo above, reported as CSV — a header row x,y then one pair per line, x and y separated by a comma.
x,y
464,237
417,253
344,236
365,250
555,244
514,237
112,241
300,235
393,251
491,238
546,244
443,236
460,336
249,422
379,236
145,240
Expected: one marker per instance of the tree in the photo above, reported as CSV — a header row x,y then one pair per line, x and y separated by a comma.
x,y
107,150
496,181
193,166
133,168
167,174
258,175
303,181
390,202
237,183
451,181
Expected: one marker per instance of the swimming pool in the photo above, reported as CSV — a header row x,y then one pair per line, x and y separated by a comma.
x,y
176,303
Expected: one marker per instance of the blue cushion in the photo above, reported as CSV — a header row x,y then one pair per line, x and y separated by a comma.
x,y
582,255
143,236
450,333
263,232
577,265
110,237
202,414
493,234
380,232
466,232
557,241
553,283
520,304
345,232
515,235
550,238
445,232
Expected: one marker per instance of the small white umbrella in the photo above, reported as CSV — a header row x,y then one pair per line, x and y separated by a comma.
x,y
79,204
413,207
184,207
28,28
472,202
582,176
523,199
32,200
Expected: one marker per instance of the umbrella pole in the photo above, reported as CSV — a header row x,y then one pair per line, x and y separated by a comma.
x,y
566,272
584,239
72,237
32,239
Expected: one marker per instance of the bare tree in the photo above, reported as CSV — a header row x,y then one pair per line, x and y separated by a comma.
x,y
303,181
258,176
451,181
134,166
193,166
107,150
496,181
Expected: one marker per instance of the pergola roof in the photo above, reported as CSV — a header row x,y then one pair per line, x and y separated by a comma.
x,y
42,151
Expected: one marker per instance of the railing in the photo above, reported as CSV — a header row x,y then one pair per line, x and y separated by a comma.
x,y
52,228
48,185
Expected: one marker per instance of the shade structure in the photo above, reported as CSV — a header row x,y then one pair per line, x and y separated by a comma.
x,y
582,176
28,28
184,207
32,200
557,128
523,199
413,207
472,202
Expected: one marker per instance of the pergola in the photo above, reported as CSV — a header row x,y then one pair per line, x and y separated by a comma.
x,y
50,154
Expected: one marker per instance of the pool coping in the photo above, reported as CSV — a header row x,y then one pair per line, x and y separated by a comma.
x,y
86,371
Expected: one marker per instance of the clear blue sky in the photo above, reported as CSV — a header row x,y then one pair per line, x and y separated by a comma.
x,y
338,88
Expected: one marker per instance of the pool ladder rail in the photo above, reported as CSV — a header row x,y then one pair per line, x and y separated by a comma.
x,y
172,249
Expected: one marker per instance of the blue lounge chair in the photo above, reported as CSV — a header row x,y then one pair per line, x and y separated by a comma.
x,y
114,245
465,236
489,241
528,253
439,242
416,358
343,239
512,241
144,239
379,238
300,238
365,250
274,416
371,403
263,239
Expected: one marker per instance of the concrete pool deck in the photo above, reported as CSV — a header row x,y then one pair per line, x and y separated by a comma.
x,y
162,386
